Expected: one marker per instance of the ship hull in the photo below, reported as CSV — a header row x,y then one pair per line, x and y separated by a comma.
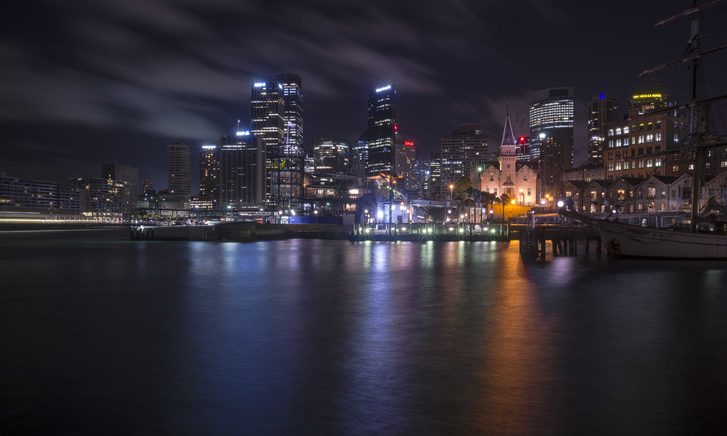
x,y
631,241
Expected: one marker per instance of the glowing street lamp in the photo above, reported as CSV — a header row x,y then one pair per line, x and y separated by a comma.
x,y
451,191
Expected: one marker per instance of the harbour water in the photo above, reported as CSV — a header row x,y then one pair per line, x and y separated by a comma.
x,y
104,336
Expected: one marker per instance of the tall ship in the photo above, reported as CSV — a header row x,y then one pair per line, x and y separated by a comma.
x,y
677,243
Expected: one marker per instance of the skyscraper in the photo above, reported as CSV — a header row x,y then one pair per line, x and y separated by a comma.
x,y
178,171
267,113
381,132
277,120
462,151
551,131
331,157
242,171
601,112
359,157
127,176
292,91
209,174
405,165
435,185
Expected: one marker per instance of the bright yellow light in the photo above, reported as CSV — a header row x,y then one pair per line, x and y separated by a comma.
x,y
512,201
640,96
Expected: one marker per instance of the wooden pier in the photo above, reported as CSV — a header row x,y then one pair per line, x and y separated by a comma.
x,y
564,241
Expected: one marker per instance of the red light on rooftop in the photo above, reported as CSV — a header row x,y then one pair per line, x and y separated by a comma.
x,y
522,139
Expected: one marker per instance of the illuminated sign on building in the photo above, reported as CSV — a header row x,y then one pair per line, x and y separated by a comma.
x,y
640,96
408,143
383,88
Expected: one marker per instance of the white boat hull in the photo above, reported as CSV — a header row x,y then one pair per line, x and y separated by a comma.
x,y
632,241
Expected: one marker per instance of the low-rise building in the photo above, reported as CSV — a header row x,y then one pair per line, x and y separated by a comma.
x,y
663,194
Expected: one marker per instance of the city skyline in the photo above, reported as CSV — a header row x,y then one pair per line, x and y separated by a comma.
x,y
80,93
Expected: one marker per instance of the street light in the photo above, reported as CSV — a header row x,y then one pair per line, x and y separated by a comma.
x,y
451,191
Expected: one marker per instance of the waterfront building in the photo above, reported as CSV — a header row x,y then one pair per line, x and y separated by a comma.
x,y
242,171
715,188
209,175
129,177
594,198
509,176
21,195
123,173
575,190
620,194
380,135
551,120
101,198
178,171
331,157
662,194
463,151
601,113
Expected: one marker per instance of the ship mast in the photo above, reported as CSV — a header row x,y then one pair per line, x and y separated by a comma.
x,y
697,109
697,124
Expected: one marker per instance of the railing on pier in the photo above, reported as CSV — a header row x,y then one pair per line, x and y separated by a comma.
x,y
432,231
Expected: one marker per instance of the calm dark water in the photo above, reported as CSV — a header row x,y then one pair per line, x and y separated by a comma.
x,y
329,337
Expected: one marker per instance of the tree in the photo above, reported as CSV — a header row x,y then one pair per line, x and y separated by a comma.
x,y
504,200
488,198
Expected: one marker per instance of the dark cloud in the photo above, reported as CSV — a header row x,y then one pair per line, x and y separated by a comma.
x,y
137,74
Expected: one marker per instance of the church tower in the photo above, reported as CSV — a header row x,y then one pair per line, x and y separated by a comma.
x,y
508,159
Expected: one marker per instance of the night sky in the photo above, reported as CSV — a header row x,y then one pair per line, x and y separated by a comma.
x,y
88,81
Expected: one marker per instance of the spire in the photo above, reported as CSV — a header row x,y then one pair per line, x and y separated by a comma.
x,y
508,137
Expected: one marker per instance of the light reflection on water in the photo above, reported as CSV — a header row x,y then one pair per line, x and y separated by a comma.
x,y
335,337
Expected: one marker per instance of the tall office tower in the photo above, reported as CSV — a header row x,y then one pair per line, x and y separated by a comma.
x,y
462,151
331,157
242,171
292,91
551,131
359,157
601,112
271,106
421,178
178,171
209,174
551,114
381,132
267,113
408,156
127,176
436,189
